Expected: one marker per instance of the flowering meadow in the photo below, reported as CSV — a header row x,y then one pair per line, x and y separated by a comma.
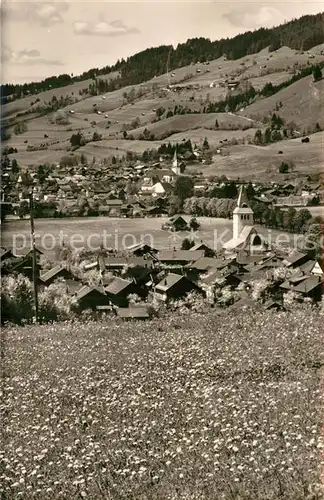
x,y
216,406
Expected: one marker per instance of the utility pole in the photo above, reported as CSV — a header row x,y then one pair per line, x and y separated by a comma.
x,y
35,273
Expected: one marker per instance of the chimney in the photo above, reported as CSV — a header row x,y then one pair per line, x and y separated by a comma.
x,y
165,282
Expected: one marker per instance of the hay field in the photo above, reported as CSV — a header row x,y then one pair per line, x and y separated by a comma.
x,y
189,122
251,162
302,103
213,136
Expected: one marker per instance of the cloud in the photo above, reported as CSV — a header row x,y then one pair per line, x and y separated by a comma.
x,y
253,16
44,14
26,57
103,28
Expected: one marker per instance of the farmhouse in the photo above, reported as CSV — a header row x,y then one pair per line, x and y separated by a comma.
x,y
119,289
174,286
180,257
89,297
59,271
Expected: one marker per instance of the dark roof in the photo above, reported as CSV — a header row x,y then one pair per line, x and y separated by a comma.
x,y
200,246
308,284
73,286
117,286
52,272
86,290
244,259
134,311
140,246
177,218
205,263
294,258
179,255
169,281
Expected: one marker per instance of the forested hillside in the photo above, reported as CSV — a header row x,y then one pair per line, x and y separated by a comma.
x,y
299,34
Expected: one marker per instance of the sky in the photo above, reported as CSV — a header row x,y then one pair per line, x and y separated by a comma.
x,y
41,39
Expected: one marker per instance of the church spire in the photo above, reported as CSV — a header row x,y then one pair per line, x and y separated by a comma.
x,y
242,200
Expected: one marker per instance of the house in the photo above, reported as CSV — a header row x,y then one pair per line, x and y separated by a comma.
x,y
181,257
161,188
208,252
245,235
310,287
312,267
176,223
112,208
296,259
89,297
140,249
59,271
119,289
138,274
174,286
134,311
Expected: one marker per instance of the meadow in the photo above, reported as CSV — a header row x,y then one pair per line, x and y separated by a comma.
x,y
119,233
221,406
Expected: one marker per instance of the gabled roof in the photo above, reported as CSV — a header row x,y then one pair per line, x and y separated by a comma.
x,y
179,255
293,258
308,284
52,272
169,281
205,263
140,246
237,242
200,246
86,290
117,286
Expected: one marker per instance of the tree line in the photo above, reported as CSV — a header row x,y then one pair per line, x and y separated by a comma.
x,y
299,34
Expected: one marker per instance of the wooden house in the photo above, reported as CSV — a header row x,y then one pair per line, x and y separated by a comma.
x,y
89,297
59,271
179,257
119,289
174,286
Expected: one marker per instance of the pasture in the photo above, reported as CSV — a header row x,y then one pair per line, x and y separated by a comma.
x,y
255,162
200,406
119,233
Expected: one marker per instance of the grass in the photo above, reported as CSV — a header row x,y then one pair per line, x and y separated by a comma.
x,y
218,406
114,232
262,162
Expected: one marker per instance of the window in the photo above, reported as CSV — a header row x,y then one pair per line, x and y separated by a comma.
x,y
256,240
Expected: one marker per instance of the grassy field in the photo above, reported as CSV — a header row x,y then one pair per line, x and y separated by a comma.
x,y
255,162
215,406
302,103
91,232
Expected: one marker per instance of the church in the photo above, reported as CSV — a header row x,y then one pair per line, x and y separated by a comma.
x,y
245,236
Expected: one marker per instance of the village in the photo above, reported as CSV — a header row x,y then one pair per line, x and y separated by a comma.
x,y
139,186
140,281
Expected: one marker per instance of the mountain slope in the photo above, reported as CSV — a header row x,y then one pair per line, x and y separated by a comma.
x,y
300,34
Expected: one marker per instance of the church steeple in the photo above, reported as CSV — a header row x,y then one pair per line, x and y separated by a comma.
x,y
175,163
243,214
242,200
